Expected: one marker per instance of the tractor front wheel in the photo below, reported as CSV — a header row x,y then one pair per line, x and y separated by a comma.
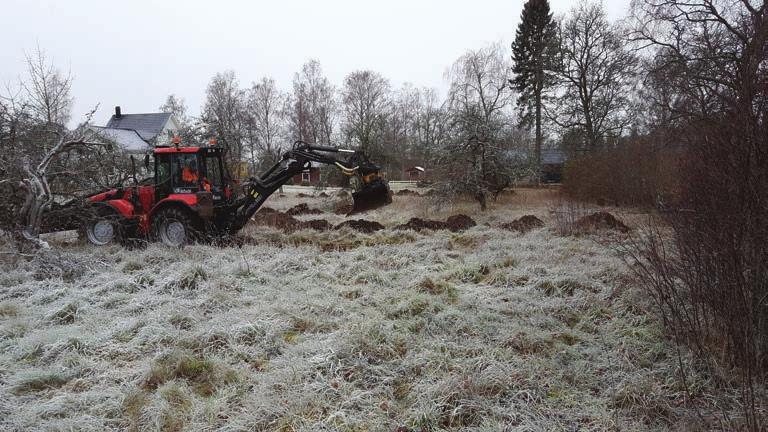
x,y
174,227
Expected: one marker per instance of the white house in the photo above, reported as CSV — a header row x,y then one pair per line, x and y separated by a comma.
x,y
136,133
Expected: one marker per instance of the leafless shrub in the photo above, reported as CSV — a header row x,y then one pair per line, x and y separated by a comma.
x,y
707,273
635,173
566,215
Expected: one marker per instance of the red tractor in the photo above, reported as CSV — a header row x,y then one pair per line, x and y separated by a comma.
x,y
192,196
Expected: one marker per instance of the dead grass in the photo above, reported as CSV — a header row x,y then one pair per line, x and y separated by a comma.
x,y
487,329
8,310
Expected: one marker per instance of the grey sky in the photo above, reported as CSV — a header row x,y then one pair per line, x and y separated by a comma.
x,y
135,53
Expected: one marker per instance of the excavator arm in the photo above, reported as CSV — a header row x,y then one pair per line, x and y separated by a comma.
x,y
373,191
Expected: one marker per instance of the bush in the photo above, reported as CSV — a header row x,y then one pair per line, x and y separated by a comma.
x,y
635,173
706,267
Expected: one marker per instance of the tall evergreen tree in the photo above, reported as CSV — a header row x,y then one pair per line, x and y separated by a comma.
x,y
534,51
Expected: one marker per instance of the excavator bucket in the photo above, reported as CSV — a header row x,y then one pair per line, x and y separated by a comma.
x,y
371,196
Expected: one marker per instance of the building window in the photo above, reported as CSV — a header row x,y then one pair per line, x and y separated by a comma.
x,y
306,177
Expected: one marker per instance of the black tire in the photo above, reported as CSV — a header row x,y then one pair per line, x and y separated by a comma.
x,y
102,226
175,227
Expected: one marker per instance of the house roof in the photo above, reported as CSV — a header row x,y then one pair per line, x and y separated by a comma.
x,y
147,125
553,156
128,139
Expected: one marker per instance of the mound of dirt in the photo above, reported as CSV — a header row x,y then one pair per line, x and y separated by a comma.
x,y
406,192
454,223
288,223
317,224
302,209
459,222
323,195
601,220
277,219
524,224
418,224
303,195
361,225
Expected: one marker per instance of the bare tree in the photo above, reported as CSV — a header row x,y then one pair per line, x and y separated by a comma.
x,y
313,105
16,123
479,159
430,126
479,97
366,99
47,90
399,127
36,185
266,121
596,72
224,116
176,106
190,129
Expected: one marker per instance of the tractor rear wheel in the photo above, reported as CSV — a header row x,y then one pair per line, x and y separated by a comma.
x,y
103,227
175,227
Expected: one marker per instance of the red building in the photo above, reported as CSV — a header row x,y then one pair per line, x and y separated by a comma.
x,y
309,177
414,173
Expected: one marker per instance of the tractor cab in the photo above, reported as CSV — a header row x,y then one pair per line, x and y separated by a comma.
x,y
191,170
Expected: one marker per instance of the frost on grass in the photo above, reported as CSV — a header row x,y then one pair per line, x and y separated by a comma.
x,y
485,329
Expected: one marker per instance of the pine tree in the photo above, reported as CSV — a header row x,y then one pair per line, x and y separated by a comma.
x,y
534,51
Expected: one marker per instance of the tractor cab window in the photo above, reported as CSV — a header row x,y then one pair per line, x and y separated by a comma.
x,y
213,170
163,173
186,173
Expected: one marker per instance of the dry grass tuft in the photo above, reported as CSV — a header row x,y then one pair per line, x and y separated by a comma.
x,y
202,374
66,314
9,310
40,382
189,280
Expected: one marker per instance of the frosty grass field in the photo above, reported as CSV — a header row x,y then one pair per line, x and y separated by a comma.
x,y
486,329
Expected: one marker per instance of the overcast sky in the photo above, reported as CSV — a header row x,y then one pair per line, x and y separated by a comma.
x,y
134,53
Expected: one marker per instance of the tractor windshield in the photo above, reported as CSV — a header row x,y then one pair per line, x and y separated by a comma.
x,y
187,172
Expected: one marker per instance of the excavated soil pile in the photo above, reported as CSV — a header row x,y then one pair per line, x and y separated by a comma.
x,y
454,223
524,224
323,195
302,209
601,220
277,219
459,222
361,225
317,224
407,192
418,224
288,223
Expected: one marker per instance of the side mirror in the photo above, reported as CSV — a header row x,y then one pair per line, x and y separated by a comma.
x,y
146,161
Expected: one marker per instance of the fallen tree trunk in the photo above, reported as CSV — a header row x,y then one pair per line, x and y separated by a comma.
x,y
38,196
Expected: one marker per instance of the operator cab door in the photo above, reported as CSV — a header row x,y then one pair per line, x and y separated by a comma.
x,y
176,173
213,181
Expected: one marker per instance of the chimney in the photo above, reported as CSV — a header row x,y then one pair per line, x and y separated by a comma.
x,y
117,112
